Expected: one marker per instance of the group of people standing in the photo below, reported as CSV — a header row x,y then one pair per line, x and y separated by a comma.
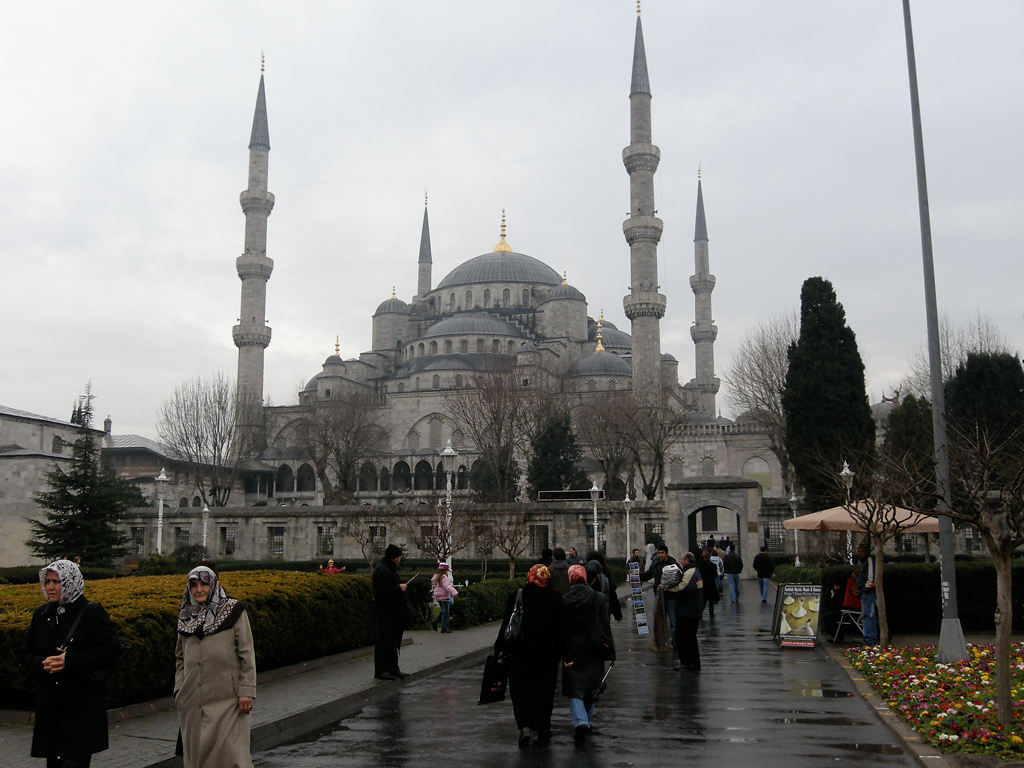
x,y
71,645
564,627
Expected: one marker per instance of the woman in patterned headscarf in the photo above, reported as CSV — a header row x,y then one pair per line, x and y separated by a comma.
x,y
533,667
68,646
215,674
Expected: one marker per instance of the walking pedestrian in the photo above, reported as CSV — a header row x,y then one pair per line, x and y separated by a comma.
x,y
588,644
689,606
533,665
68,642
389,606
733,569
445,594
559,572
708,574
600,578
764,567
214,674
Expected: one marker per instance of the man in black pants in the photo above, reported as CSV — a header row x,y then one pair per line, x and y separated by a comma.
x,y
689,607
389,606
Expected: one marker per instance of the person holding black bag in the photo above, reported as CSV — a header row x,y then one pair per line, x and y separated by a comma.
x,y
532,658
70,646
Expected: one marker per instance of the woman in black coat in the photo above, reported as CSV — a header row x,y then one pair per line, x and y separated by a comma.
x,y
587,638
533,666
66,661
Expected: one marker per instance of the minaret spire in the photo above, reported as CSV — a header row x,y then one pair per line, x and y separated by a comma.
x,y
252,334
426,261
703,332
644,305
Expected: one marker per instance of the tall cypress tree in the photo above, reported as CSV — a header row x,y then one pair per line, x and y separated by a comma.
x,y
828,419
83,503
555,458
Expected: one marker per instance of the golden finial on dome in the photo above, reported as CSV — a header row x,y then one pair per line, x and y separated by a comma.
x,y
263,63
393,292
600,344
337,346
565,279
698,171
502,246
424,198
637,7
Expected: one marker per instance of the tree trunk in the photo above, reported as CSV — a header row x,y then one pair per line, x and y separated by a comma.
x,y
511,567
1004,624
883,618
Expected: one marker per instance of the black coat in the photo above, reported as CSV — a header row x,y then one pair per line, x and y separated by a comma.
x,y
388,595
542,619
587,638
708,574
71,707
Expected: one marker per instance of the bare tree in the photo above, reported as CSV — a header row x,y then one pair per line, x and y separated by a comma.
x,y
602,422
435,534
506,530
199,425
338,433
757,376
654,417
493,412
370,531
980,335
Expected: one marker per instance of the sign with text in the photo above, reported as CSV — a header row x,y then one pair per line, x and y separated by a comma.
x,y
636,596
795,622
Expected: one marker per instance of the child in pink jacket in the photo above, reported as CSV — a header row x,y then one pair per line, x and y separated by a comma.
x,y
444,593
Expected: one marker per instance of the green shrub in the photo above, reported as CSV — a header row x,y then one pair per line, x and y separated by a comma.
x,y
483,602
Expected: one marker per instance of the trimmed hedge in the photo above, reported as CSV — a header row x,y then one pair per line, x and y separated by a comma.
x,y
483,602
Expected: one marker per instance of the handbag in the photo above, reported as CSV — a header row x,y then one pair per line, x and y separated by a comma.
x,y
495,680
514,629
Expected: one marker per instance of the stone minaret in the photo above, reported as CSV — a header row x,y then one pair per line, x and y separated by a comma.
x,y
425,263
704,331
252,335
644,306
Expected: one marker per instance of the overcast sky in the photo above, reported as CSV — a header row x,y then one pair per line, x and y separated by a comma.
x,y
123,148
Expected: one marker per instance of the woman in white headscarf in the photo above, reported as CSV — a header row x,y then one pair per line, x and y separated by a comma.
x,y
69,646
215,675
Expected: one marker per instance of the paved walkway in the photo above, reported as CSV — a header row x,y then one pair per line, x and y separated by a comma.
x,y
302,700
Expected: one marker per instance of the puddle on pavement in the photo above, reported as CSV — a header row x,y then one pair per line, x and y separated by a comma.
x,y
874,749
808,719
821,693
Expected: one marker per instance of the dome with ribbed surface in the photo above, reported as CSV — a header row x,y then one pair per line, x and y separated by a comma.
x,y
501,267
481,325
392,306
601,364
565,291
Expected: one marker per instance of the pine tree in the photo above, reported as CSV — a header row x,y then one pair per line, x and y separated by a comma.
x,y
828,419
555,458
83,503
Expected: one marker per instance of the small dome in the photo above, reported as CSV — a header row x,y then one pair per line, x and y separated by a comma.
x,y
667,358
334,360
880,411
483,325
564,292
501,267
600,364
528,346
611,337
392,306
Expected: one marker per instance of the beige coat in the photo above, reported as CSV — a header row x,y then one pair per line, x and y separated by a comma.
x,y
210,674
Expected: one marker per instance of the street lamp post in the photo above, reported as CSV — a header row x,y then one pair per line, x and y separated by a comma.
x,y
626,502
594,493
793,501
161,481
206,520
847,476
449,458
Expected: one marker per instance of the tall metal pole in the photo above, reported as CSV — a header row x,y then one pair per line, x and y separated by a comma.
x,y
951,637
206,519
626,502
161,481
793,501
594,493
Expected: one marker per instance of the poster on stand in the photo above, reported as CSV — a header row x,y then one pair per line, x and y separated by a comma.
x,y
795,622
636,596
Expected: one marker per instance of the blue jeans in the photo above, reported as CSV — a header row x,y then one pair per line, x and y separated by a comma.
x,y
446,610
734,585
869,617
580,713
763,583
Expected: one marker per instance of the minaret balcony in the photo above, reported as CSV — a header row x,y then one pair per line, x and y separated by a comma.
x,y
641,157
701,333
642,229
254,265
644,305
251,335
256,201
702,284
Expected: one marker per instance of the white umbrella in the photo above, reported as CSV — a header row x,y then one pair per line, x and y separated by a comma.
x,y
841,519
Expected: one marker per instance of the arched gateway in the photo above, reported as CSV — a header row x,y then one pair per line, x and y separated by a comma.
x,y
684,499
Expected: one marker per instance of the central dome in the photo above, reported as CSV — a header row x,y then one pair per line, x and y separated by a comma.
x,y
501,267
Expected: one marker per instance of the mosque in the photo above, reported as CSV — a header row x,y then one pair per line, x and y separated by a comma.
x,y
500,309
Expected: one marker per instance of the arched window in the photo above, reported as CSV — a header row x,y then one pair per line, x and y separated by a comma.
x,y
495,346
676,469
182,502
401,477
506,297
417,383
433,347
464,346
401,386
385,479
435,381
611,384
447,346
430,306
480,346
462,478
458,381
284,481
707,467
487,297
526,297
469,300
305,479
421,349
424,476
413,440
435,433
451,302
368,477
197,501
511,347
591,385
440,478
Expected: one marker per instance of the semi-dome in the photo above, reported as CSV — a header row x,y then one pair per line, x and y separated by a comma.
x,y
501,267
564,292
479,325
611,336
600,364
393,306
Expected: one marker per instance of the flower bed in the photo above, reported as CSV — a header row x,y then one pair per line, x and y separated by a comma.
x,y
952,706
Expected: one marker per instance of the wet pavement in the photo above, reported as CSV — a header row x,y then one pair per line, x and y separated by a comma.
x,y
751,703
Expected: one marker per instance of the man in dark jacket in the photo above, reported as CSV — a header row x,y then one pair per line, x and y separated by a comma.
x,y
69,646
733,569
764,568
389,606
587,644
559,572
689,600
709,574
